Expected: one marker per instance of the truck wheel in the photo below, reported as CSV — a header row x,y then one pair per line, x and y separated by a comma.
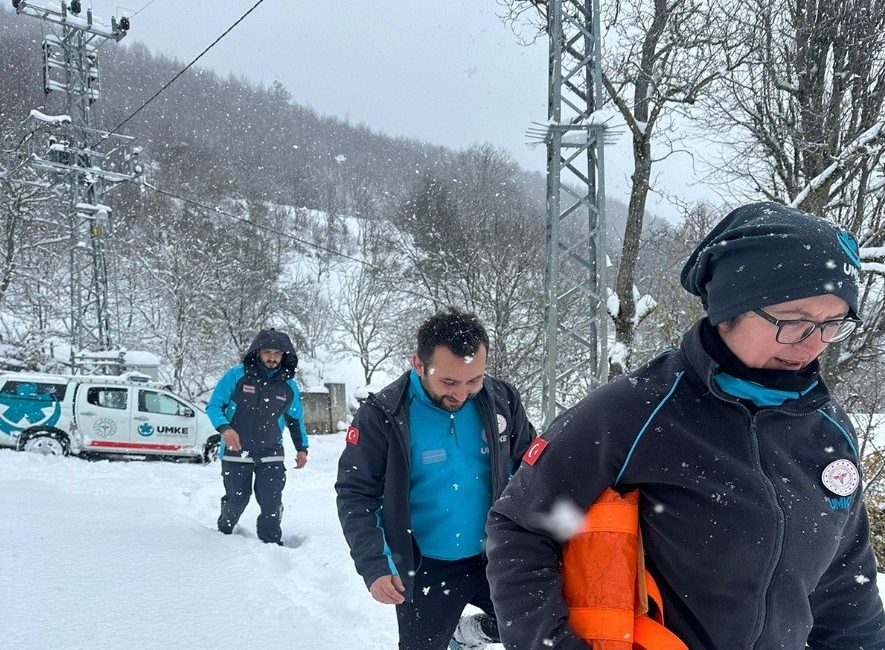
x,y
45,443
210,453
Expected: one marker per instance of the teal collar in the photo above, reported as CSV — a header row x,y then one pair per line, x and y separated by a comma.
x,y
417,392
757,393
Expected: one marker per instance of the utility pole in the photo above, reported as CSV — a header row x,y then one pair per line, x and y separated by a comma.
x,y
68,152
575,318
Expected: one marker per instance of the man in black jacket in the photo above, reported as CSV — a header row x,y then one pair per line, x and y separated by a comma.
x,y
249,407
425,458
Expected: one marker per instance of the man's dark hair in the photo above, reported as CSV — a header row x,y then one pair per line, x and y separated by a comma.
x,y
459,331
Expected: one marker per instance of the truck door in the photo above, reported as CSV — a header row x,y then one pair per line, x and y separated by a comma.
x,y
30,405
102,414
163,420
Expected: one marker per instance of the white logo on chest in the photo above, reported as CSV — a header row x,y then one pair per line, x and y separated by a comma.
x,y
841,477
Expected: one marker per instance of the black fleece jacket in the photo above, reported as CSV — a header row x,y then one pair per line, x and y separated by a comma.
x,y
749,548
374,473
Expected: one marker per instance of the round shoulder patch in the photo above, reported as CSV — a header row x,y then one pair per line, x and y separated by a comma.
x,y
502,423
841,477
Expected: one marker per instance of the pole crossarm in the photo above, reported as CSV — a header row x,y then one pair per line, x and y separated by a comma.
x,y
52,143
58,13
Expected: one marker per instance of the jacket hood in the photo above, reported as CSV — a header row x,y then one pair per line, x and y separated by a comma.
x,y
271,339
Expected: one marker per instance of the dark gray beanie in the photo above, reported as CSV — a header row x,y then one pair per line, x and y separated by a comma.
x,y
763,254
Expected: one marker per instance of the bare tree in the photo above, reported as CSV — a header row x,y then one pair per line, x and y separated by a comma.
x,y
473,238
802,123
28,226
370,306
660,57
246,293
804,108
366,316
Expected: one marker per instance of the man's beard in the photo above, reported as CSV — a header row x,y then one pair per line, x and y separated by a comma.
x,y
439,400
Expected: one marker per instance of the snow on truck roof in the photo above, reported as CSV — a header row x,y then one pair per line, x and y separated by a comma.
x,y
127,378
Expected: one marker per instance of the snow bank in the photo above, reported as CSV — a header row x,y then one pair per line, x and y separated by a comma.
x,y
126,555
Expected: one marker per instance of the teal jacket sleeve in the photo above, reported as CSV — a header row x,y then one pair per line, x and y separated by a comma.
x,y
295,419
219,407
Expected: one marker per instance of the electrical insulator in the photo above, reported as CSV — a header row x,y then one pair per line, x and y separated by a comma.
x,y
124,24
76,7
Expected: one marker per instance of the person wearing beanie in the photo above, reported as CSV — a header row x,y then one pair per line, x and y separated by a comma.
x,y
751,509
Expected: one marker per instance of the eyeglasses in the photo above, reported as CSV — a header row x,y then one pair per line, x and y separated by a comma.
x,y
795,331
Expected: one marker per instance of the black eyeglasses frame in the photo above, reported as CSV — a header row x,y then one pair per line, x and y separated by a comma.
x,y
780,324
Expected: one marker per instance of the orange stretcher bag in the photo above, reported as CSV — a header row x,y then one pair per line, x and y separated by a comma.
x,y
606,585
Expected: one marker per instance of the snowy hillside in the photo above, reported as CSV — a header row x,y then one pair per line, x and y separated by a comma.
x,y
125,555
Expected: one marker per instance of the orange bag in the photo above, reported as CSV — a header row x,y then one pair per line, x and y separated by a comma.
x,y
606,585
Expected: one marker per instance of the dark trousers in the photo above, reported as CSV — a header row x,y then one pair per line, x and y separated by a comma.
x,y
442,590
270,477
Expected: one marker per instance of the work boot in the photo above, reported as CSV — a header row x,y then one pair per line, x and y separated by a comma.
x,y
473,632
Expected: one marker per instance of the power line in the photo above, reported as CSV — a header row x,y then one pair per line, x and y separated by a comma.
x,y
182,71
257,225
143,8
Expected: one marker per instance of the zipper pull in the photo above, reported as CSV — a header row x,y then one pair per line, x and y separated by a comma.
x,y
452,429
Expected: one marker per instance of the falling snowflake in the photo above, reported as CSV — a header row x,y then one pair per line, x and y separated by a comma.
x,y
565,520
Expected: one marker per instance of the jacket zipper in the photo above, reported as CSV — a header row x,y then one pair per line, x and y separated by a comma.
x,y
452,430
779,542
772,493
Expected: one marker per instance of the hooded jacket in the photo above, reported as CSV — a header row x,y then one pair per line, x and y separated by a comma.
x,y
374,473
747,544
258,404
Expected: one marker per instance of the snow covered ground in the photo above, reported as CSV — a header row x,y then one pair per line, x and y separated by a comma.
x,y
123,555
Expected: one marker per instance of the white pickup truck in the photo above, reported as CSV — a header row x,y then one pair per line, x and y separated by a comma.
x,y
90,415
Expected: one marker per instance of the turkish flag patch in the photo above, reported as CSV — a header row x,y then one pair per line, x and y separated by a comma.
x,y
353,435
533,453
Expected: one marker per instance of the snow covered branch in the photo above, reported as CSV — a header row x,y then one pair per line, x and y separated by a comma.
x,y
864,139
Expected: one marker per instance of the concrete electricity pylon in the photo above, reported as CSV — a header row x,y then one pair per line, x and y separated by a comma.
x,y
67,152
575,343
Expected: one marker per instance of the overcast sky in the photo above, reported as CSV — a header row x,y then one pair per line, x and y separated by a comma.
x,y
450,72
